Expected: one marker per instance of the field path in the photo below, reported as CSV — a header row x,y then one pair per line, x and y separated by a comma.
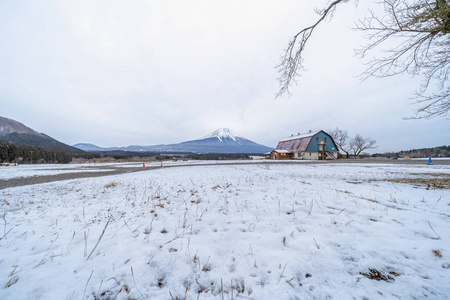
x,y
108,170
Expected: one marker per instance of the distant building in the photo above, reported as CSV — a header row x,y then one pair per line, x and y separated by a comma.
x,y
315,145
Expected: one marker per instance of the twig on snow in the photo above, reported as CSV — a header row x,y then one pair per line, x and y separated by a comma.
x,y
281,275
316,243
434,231
84,293
98,242
134,280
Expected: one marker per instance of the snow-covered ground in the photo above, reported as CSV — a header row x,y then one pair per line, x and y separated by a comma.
x,y
278,231
215,162
24,171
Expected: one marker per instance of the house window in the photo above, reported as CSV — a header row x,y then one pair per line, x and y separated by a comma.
x,y
325,140
309,153
317,140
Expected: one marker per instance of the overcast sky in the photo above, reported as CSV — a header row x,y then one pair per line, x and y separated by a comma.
x,y
115,73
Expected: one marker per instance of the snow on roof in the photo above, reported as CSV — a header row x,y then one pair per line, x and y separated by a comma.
x,y
282,151
223,133
301,136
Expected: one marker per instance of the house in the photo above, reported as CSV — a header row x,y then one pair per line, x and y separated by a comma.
x,y
314,145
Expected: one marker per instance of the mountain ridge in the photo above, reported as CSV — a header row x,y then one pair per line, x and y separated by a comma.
x,y
9,126
222,140
12,131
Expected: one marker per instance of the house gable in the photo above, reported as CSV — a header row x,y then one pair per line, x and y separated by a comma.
x,y
308,142
322,137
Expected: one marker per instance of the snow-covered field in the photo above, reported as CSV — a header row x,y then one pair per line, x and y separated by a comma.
x,y
24,171
291,231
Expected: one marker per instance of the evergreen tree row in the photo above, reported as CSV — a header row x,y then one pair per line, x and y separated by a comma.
x,y
23,154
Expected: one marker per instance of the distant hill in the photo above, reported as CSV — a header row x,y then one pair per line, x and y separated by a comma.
x,y
12,131
441,151
88,147
222,140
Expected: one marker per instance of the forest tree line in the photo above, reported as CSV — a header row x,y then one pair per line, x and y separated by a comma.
x,y
24,154
218,156
442,151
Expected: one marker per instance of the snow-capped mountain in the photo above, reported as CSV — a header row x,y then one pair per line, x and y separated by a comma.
x,y
223,134
223,140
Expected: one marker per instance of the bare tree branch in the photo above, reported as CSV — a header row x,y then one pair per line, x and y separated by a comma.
x,y
292,60
340,138
359,144
420,29
424,49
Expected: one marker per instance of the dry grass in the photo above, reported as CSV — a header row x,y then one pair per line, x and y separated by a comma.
x,y
374,274
11,282
99,239
110,185
434,181
437,253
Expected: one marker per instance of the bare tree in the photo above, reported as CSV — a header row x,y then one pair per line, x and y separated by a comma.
x,y
421,29
359,144
340,138
354,145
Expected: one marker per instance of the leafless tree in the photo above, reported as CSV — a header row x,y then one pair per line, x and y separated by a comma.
x,y
348,145
340,138
359,144
421,30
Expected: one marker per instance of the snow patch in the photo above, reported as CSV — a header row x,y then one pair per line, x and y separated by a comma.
x,y
224,133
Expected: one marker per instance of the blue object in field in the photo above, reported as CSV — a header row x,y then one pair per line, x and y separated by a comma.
x,y
429,161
